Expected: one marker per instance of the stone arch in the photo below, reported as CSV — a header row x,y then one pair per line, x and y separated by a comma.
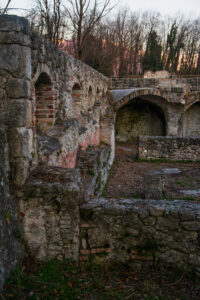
x,y
44,113
139,117
119,98
190,120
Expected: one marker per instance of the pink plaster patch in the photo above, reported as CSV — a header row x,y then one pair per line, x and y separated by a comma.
x,y
92,140
68,160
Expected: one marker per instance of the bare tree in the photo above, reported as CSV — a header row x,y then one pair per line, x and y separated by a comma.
x,y
4,11
84,16
47,19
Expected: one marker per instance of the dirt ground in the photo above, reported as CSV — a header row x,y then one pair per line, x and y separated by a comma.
x,y
127,176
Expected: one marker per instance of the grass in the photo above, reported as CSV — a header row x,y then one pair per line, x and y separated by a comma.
x,y
159,161
66,280
187,198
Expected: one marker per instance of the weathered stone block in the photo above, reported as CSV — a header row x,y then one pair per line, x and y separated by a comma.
x,y
15,60
14,23
15,38
21,143
153,187
13,113
18,88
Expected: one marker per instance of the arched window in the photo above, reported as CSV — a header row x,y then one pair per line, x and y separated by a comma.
x,y
45,102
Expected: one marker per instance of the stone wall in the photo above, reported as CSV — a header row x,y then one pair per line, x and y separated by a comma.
x,y
172,148
11,249
141,231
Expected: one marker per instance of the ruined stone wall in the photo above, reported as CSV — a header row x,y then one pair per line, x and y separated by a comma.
x,y
37,100
11,249
48,125
141,231
169,147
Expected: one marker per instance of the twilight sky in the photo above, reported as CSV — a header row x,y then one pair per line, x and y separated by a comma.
x,y
190,8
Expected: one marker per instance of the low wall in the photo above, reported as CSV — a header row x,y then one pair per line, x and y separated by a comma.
x,y
138,231
174,85
169,147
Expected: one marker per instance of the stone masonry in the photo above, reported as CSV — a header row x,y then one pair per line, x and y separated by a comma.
x,y
141,231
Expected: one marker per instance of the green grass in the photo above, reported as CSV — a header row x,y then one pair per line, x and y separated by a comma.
x,y
188,198
181,183
66,280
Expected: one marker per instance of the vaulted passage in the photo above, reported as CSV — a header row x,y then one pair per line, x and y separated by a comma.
x,y
139,118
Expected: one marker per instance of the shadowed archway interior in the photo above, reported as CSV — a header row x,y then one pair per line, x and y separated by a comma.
x,y
139,117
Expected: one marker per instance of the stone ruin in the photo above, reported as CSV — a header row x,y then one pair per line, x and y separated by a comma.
x,y
57,140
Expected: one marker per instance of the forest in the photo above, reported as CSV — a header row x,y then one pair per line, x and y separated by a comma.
x,y
119,42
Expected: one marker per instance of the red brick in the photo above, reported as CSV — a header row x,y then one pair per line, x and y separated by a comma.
x,y
101,250
84,258
85,225
85,251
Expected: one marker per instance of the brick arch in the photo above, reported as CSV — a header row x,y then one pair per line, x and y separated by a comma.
x,y
44,113
77,96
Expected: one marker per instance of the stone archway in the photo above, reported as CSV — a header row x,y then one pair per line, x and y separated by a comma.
x,y
139,117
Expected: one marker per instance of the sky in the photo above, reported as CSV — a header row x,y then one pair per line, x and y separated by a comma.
x,y
190,8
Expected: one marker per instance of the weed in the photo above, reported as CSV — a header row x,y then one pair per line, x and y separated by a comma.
x,y
164,196
179,182
91,172
188,198
136,196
